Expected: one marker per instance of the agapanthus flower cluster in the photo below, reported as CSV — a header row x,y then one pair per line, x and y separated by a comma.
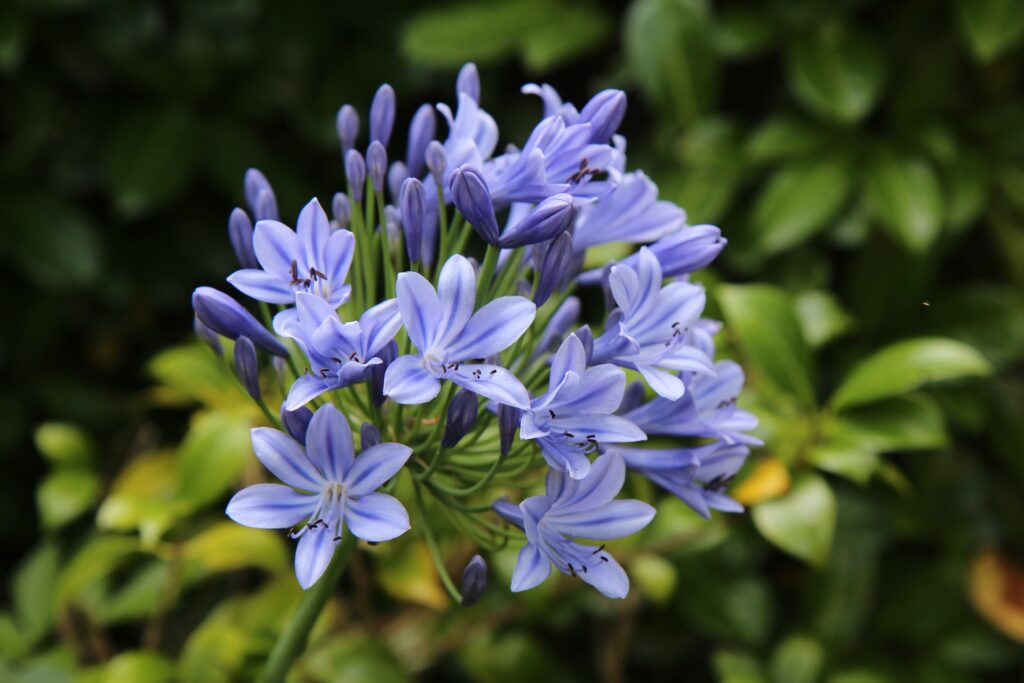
x,y
434,318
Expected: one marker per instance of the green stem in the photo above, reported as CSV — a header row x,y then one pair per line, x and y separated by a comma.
x,y
293,640
486,274
435,551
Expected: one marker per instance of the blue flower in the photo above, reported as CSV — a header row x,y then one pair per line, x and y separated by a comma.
x,y
571,509
679,253
311,259
575,415
472,135
339,353
631,212
698,476
328,489
447,333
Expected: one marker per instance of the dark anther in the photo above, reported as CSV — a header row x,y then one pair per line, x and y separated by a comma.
x,y
551,413
584,568
324,372
295,273
337,538
493,372
603,558
314,273
569,434
372,542
336,359
599,549
572,571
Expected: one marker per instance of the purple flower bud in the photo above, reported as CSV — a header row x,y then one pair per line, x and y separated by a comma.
x,y
421,132
604,112
347,124
461,416
342,209
382,114
561,320
377,165
397,173
437,160
555,267
355,172
296,422
207,336
688,250
247,366
240,234
606,287
226,317
468,81
471,196
524,288
413,202
260,196
474,581
369,436
633,397
547,220
585,335
388,354
508,423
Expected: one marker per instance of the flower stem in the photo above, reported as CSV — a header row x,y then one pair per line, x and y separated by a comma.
x,y
293,640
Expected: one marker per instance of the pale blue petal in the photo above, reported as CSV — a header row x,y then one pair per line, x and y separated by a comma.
x,y
408,382
563,456
509,511
599,391
420,309
609,578
570,357
304,390
262,286
376,517
284,457
601,428
338,258
493,328
314,230
494,382
532,569
374,466
456,291
615,519
270,506
601,484
276,246
663,383
312,555
329,442
380,324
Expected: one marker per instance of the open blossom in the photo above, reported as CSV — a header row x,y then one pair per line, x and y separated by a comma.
x,y
650,332
575,415
571,509
447,334
326,489
310,259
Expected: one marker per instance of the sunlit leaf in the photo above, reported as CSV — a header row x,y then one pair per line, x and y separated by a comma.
x,y
227,546
66,494
905,196
212,456
33,592
822,317
797,659
992,27
60,442
802,522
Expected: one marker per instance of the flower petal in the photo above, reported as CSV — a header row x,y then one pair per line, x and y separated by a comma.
x,y
663,383
270,506
602,483
456,290
420,309
600,428
615,519
376,517
286,459
508,511
532,569
304,390
314,230
329,442
262,286
338,257
570,357
276,246
493,382
380,324
609,578
494,328
313,554
374,466
406,381
599,392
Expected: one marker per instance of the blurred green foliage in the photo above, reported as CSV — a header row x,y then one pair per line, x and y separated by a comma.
x,y
865,160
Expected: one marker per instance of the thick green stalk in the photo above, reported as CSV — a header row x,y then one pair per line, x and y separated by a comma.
x,y
486,274
293,640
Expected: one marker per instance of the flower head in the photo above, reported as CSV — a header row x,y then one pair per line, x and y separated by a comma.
x,y
309,259
327,489
571,509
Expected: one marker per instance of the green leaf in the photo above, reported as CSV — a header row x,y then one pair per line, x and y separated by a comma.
x,y
66,494
763,321
992,27
354,658
670,51
822,317
905,196
967,180
906,423
732,666
836,72
138,667
785,137
707,171
60,442
569,32
33,592
797,659
212,456
988,317
798,201
802,522
142,498
135,598
226,546
193,373
736,609
907,365
655,576
12,641
92,563
744,31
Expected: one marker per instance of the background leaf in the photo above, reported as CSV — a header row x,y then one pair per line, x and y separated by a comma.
x,y
802,522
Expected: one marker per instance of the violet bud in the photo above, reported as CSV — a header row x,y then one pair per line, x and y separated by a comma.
x,y
437,160
606,287
474,580
260,196
561,320
296,422
413,201
207,336
462,413
355,172
388,354
632,397
468,81
688,249
397,173
508,422
226,317
604,112
347,124
369,436
556,265
382,114
240,234
247,366
377,165
471,196
586,336
341,208
421,132
547,220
